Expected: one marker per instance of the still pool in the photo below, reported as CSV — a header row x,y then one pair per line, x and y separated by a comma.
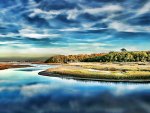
x,y
22,90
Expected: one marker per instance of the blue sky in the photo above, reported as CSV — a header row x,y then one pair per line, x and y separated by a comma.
x,y
73,26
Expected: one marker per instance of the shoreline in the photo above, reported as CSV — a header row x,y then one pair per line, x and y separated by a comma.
x,y
50,74
106,72
4,66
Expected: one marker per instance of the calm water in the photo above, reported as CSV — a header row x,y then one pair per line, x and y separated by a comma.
x,y
24,91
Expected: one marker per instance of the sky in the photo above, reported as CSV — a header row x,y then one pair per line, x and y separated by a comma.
x,y
30,27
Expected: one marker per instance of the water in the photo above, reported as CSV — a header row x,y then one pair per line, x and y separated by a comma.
x,y
24,91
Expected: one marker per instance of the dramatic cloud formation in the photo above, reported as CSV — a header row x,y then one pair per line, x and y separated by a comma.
x,y
74,26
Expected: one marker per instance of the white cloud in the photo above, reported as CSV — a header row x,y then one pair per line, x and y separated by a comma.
x,y
72,14
39,36
119,26
87,25
144,9
108,8
32,3
45,14
8,42
31,33
85,28
70,29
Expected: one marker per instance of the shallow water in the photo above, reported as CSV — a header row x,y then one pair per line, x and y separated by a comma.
x,y
24,91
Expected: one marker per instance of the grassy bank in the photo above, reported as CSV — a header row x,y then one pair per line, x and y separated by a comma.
x,y
11,65
108,71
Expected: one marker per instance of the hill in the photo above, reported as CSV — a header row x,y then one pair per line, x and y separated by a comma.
x,y
124,56
72,58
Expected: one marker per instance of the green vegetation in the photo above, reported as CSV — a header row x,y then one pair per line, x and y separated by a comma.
x,y
131,75
118,67
102,71
139,56
123,56
124,65
71,58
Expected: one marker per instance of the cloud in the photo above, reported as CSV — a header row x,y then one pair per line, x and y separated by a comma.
x,y
70,29
122,27
144,9
72,14
31,33
104,9
40,24
10,43
39,36
85,28
45,14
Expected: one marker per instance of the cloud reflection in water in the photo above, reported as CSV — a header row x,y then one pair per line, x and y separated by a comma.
x,y
31,93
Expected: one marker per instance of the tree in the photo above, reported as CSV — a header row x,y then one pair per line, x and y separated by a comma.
x,y
123,50
128,56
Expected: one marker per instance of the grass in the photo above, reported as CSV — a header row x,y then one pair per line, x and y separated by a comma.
x,y
105,71
115,66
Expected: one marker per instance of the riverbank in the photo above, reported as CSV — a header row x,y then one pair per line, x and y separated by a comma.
x,y
122,72
11,65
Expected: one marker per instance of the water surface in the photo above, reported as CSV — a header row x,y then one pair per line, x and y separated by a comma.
x,y
24,91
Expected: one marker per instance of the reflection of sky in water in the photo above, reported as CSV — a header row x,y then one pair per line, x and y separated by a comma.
x,y
23,91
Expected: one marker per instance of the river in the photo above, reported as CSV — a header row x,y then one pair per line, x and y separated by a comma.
x,y
22,90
